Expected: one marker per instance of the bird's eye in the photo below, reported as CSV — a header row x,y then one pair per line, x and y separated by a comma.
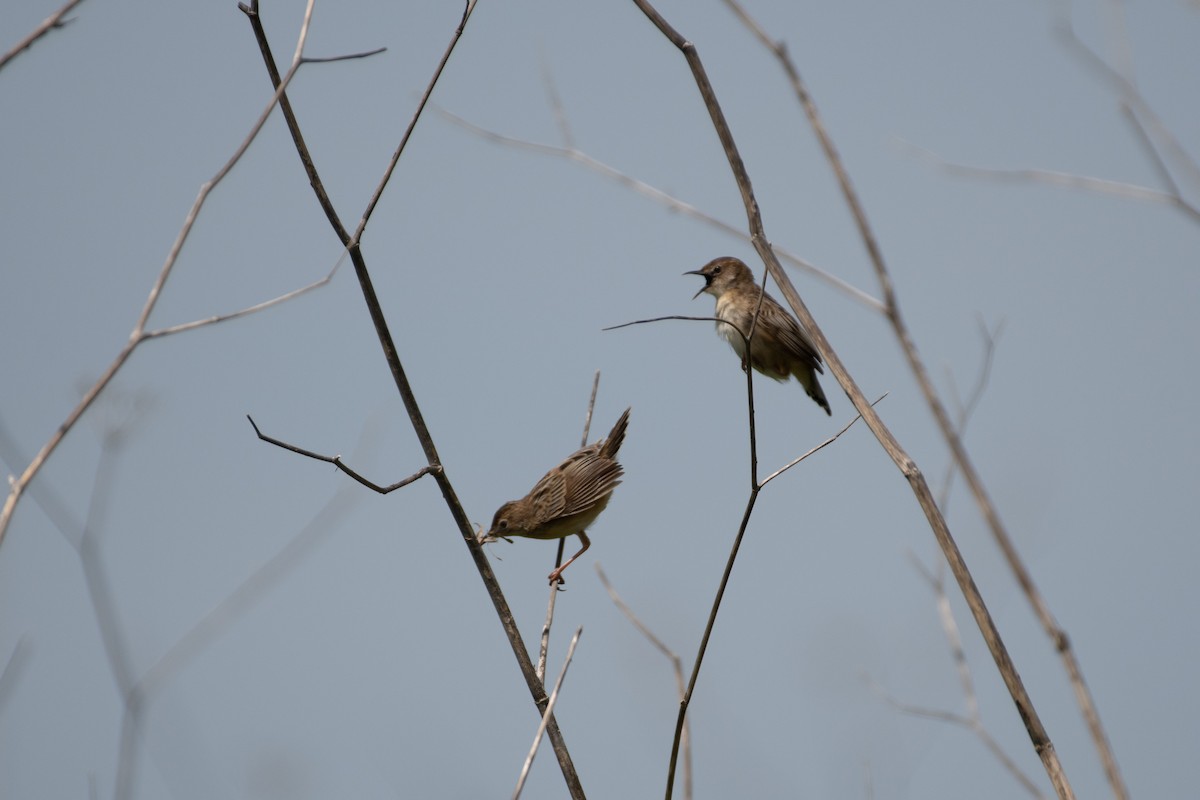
x,y
716,270
503,525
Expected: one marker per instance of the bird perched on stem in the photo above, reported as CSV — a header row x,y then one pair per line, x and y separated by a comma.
x,y
779,347
567,499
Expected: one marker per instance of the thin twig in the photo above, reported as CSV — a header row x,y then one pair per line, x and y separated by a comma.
x,y
1040,740
964,411
973,726
263,306
547,715
1129,92
437,73
1066,180
50,23
337,462
821,446
13,668
587,421
404,388
1038,736
556,586
676,667
666,199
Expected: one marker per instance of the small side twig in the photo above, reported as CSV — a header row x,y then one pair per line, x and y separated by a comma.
x,y
337,462
822,445
50,23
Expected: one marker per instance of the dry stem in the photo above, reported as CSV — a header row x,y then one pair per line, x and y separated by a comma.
x,y
920,487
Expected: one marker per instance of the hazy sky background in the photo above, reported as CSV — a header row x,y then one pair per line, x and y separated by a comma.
x,y
372,663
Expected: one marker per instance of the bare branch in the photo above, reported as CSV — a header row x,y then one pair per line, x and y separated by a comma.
x,y
676,667
50,23
13,667
337,462
1040,740
821,446
138,336
1064,180
404,388
556,586
547,715
570,153
263,306
437,73
1130,94
964,411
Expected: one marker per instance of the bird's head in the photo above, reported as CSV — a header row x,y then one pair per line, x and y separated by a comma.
x,y
721,274
508,521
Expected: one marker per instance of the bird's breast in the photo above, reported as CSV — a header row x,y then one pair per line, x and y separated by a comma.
x,y
728,310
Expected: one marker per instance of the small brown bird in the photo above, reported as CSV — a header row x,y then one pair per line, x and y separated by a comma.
x,y
780,348
568,498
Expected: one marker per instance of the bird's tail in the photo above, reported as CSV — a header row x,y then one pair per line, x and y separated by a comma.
x,y
616,436
808,379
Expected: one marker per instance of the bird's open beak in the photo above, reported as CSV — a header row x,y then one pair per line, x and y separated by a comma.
x,y
707,281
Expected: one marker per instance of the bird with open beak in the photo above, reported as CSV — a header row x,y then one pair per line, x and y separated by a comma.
x,y
779,347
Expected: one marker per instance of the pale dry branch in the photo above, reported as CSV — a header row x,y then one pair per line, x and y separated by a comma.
x,y
571,153
555,586
1038,736
974,726
1165,143
547,715
139,334
1062,180
1153,137
971,720
263,306
50,23
1040,740
965,410
353,245
13,668
676,668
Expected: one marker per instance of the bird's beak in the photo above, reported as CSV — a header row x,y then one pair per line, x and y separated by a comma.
x,y
707,281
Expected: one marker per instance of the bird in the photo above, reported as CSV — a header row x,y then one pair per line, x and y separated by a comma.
x,y
568,498
779,347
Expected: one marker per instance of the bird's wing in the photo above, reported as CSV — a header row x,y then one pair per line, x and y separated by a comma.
x,y
791,335
588,480
549,496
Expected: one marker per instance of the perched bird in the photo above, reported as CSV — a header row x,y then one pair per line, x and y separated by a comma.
x,y
568,498
779,348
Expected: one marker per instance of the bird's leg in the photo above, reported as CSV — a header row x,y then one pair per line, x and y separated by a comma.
x,y
556,576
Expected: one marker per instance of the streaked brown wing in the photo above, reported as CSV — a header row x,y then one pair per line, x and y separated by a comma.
x,y
791,335
589,480
549,496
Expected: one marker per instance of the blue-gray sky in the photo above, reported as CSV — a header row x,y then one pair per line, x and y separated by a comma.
x,y
372,665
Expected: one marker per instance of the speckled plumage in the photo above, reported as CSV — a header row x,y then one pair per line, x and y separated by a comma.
x,y
568,498
779,348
